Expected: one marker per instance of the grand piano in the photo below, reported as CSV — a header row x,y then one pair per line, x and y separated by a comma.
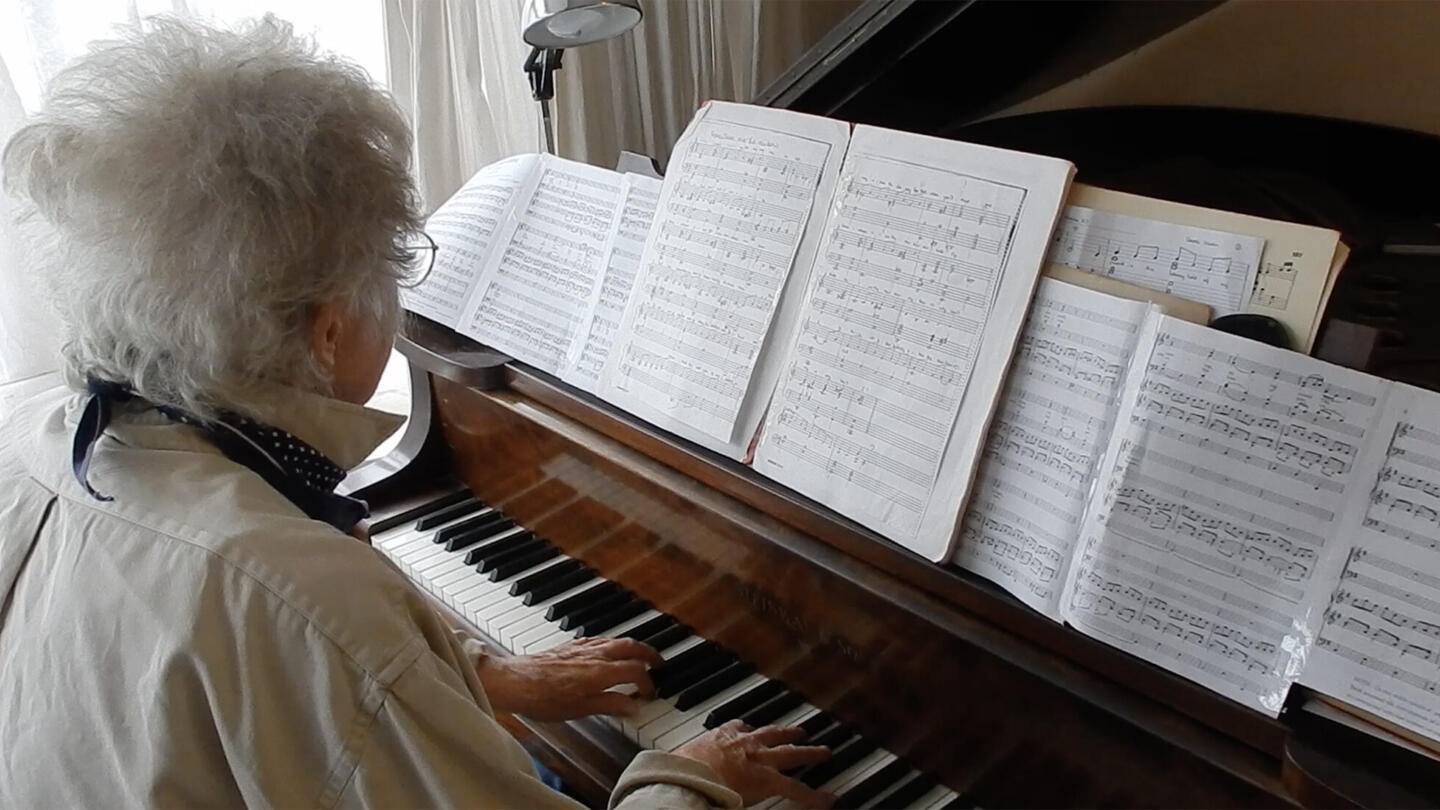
x,y
540,513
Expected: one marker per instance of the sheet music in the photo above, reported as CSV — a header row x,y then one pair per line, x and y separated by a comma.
x,y
639,197
1045,442
463,228
1379,648
930,255
1200,264
1219,506
537,283
742,185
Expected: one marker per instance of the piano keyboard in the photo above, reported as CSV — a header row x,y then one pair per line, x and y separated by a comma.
x,y
524,594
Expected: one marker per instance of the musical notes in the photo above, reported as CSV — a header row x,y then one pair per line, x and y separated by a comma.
x,y
915,256
536,285
1054,420
639,197
1227,479
1379,647
732,218
464,228
1213,267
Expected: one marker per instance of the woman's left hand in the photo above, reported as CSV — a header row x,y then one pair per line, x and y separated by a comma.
x,y
571,680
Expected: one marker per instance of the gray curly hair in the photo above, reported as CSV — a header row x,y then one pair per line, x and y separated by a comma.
x,y
202,190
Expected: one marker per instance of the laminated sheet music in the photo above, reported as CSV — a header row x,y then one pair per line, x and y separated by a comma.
x,y
1028,500
464,229
639,197
534,292
930,255
715,286
1379,647
1215,532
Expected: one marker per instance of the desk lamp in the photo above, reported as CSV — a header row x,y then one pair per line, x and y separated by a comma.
x,y
551,26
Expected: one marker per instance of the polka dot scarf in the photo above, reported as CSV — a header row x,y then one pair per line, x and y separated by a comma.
x,y
304,475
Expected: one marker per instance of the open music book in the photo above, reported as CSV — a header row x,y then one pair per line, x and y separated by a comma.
x,y
851,297
1242,515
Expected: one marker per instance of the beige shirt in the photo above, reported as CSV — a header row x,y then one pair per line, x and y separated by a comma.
x,y
198,641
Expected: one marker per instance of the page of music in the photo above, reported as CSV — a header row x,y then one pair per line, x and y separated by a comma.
x,y
1219,513
918,275
1045,443
536,285
744,184
1379,648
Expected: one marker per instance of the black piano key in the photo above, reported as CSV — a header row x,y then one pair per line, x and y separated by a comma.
x,y
488,523
669,637
773,709
671,680
514,565
570,604
493,547
712,685
840,759
644,630
558,585
872,785
743,702
624,613
832,737
464,541
816,724
530,582
488,562
596,609
419,511
907,793
448,513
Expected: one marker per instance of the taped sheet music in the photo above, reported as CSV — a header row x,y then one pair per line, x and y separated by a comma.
x,y
537,282
1045,442
639,196
1199,264
931,253
742,185
1379,649
464,228
1218,508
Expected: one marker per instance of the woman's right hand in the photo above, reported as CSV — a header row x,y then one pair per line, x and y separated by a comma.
x,y
750,761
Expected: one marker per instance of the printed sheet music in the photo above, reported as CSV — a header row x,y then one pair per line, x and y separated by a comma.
x,y
536,285
930,256
1211,537
1053,423
464,229
1379,648
744,184
639,197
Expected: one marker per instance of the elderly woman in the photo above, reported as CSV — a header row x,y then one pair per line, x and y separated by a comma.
x,y
184,618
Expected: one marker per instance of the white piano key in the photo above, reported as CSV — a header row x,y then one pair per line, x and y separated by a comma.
x,y
628,625
669,733
796,716
550,641
526,618
939,796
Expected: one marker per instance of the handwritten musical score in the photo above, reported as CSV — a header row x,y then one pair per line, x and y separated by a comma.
x,y
536,285
1199,264
464,228
731,221
919,246
1052,425
1223,489
639,197
1379,648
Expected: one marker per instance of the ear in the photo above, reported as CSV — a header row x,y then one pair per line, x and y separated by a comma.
x,y
327,332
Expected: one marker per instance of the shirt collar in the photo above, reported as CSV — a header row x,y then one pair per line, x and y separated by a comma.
x,y
344,432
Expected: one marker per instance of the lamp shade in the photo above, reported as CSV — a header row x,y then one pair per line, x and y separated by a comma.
x,y
570,23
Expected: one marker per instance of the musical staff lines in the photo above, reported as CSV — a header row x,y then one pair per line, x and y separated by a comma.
x,y
1379,647
733,216
1213,267
907,276
535,290
1044,443
1230,463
